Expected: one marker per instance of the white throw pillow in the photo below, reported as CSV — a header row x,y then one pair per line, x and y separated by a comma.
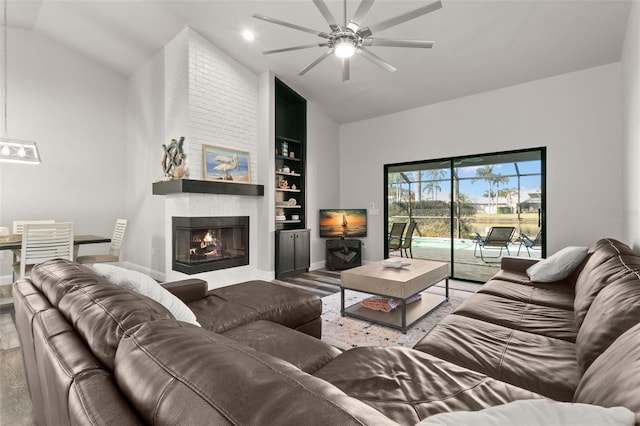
x,y
558,266
147,286
536,412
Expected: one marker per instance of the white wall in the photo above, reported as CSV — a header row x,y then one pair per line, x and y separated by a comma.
x,y
576,116
75,110
323,174
631,127
145,238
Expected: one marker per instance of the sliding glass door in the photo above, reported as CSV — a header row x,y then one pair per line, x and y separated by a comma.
x,y
469,211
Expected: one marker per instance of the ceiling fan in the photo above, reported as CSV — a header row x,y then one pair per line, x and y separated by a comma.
x,y
352,37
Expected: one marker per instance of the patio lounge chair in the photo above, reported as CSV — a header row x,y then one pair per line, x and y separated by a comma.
x,y
498,237
405,242
395,236
530,244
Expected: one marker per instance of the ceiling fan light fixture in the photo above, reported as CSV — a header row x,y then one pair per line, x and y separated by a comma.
x,y
344,48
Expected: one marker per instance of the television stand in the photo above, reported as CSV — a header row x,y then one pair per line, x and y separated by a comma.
x,y
343,254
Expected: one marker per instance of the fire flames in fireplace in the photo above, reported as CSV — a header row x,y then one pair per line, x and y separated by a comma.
x,y
207,245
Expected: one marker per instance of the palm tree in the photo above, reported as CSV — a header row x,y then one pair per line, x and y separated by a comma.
x,y
508,193
395,180
432,187
486,174
434,177
497,181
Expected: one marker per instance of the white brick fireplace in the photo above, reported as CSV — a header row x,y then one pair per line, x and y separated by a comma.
x,y
211,99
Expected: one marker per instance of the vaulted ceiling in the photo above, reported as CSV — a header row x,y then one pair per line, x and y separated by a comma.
x,y
480,45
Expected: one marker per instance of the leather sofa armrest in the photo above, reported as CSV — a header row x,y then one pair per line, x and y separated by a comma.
x,y
517,264
187,290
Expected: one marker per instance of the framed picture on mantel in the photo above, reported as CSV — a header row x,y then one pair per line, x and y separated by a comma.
x,y
222,164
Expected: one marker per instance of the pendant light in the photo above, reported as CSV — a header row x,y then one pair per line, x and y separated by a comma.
x,y
12,150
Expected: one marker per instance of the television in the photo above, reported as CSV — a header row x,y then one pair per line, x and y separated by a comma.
x,y
343,223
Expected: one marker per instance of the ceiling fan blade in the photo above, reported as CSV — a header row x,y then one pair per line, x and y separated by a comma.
x,y
288,49
345,69
304,70
287,24
397,43
378,60
328,16
362,10
405,17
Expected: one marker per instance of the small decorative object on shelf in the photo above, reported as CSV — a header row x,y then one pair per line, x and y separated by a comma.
x,y
285,169
173,161
292,154
284,184
285,148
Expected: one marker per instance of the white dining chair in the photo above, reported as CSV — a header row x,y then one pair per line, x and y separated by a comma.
x,y
19,224
17,229
41,242
115,249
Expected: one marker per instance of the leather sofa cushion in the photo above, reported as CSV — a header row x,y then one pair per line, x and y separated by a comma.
x,y
62,359
176,373
541,364
187,290
603,265
556,295
305,352
513,276
615,309
537,319
102,313
94,399
613,379
229,307
55,278
409,386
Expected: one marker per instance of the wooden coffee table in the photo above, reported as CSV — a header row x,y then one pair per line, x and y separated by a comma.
x,y
401,284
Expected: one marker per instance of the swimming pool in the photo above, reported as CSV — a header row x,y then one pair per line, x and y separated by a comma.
x,y
442,243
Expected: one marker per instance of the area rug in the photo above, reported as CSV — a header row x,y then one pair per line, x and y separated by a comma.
x,y
347,333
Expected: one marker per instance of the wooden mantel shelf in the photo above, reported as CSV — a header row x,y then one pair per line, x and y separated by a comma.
x,y
190,186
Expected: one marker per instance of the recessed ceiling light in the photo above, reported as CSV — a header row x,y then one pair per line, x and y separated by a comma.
x,y
248,35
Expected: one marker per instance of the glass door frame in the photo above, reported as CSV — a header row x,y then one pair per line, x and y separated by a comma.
x,y
452,166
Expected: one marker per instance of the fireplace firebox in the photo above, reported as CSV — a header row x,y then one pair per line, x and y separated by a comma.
x,y
202,244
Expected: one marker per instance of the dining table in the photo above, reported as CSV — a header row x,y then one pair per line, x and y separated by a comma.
x,y
14,241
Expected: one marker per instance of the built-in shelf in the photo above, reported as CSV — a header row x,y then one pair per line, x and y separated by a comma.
x,y
190,186
284,138
289,174
287,190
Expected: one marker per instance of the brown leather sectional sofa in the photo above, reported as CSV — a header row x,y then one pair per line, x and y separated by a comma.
x,y
99,354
